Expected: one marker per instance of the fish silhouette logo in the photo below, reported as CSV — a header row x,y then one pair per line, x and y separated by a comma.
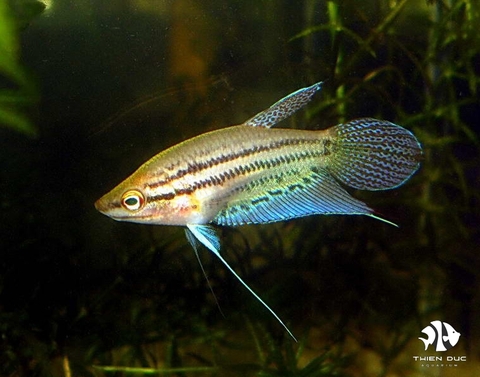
x,y
440,334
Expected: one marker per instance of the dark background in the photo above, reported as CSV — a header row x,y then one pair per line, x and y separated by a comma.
x,y
118,81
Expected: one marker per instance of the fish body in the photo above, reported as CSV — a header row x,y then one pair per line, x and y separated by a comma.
x,y
253,174
205,178
249,175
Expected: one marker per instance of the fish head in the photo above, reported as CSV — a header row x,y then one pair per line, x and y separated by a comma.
x,y
136,200
452,335
130,202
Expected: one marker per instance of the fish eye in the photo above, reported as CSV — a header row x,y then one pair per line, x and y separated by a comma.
x,y
133,200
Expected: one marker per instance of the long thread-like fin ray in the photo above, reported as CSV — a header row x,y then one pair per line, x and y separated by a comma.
x,y
194,242
241,175
284,108
207,236
312,193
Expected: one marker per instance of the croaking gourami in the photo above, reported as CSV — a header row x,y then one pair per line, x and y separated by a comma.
x,y
254,174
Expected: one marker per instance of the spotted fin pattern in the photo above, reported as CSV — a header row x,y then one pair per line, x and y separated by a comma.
x,y
284,108
249,174
374,154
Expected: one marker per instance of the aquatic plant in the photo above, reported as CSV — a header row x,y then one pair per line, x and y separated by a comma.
x,y
17,90
80,296
381,69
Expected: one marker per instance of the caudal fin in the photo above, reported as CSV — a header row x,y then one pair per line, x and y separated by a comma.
x,y
373,154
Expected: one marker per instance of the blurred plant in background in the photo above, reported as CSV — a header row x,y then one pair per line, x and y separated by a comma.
x,y
418,64
84,296
17,90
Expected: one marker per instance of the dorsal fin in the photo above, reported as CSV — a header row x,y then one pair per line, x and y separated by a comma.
x,y
284,108
207,235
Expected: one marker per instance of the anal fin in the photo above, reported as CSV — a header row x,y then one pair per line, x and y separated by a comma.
x,y
311,192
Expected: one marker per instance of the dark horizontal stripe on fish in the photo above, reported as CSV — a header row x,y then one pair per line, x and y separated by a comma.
x,y
196,167
130,218
246,169
168,196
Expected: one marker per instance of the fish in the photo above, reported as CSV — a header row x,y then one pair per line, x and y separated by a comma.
x,y
252,173
442,334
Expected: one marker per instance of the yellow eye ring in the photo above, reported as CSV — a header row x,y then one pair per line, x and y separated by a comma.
x,y
133,200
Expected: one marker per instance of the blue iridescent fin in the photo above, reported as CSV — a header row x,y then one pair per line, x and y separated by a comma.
x,y
207,235
284,108
374,154
311,193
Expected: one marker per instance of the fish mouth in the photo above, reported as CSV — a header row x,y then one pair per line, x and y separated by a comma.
x,y
110,209
101,205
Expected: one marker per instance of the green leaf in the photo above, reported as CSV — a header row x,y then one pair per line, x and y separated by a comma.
x,y
21,91
16,120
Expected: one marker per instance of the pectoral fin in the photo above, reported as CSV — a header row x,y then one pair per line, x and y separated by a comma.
x,y
207,235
